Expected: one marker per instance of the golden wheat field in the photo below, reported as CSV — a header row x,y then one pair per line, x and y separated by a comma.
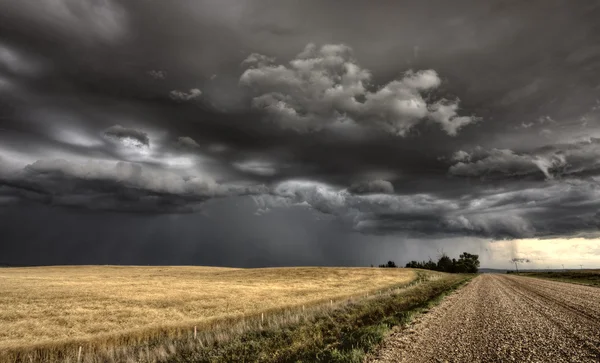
x,y
47,305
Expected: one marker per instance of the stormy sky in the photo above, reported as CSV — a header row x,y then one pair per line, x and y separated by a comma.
x,y
269,132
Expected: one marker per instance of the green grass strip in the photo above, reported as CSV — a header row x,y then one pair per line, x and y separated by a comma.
x,y
591,278
346,334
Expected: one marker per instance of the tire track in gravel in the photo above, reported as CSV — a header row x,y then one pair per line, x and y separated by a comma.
x,y
502,318
584,330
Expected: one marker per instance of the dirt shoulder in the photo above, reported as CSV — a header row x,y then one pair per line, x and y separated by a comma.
x,y
500,318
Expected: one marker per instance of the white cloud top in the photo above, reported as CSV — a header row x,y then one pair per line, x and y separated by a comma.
x,y
324,85
182,96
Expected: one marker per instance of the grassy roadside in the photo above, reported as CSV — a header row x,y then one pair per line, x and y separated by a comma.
x,y
343,331
583,277
342,335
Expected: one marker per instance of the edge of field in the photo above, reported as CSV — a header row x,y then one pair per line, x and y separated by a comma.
x,y
328,332
423,309
578,278
346,334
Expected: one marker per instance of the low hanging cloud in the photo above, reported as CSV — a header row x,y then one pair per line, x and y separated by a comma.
x,y
128,136
559,208
182,96
497,162
552,161
324,85
108,185
372,187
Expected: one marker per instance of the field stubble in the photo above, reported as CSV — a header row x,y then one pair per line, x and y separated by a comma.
x,y
54,309
584,277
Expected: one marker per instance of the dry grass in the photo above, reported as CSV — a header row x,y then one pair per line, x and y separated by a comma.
x,y
52,305
585,277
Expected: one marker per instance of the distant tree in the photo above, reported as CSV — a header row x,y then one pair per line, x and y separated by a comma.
x,y
466,263
414,264
430,265
390,264
444,264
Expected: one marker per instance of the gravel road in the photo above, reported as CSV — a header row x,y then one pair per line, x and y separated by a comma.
x,y
503,318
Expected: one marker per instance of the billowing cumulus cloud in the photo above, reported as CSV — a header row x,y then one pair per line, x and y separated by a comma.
x,y
461,156
326,84
258,60
445,113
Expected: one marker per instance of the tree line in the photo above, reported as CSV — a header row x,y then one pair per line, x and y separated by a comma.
x,y
466,263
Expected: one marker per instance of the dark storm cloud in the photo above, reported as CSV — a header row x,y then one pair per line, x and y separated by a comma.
x,y
372,187
157,74
103,20
524,209
465,120
120,186
290,238
579,158
138,138
187,142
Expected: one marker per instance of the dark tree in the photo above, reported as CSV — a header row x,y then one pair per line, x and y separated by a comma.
x,y
430,265
467,263
414,264
444,264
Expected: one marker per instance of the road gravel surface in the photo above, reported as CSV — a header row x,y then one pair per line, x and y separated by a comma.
x,y
503,318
